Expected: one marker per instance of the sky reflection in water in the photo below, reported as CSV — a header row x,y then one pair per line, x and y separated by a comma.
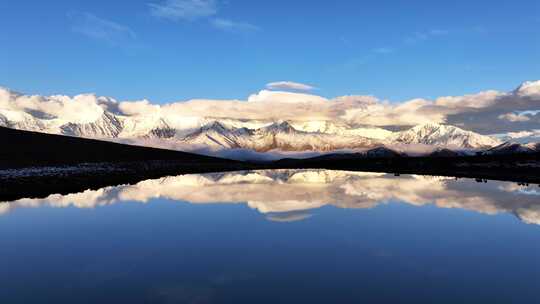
x,y
463,244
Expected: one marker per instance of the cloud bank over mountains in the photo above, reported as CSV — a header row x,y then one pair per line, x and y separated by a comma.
x,y
487,112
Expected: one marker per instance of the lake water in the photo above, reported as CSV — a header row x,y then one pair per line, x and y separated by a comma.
x,y
283,236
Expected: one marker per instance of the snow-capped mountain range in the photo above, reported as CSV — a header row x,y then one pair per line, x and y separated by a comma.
x,y
260,136
275,136
211,135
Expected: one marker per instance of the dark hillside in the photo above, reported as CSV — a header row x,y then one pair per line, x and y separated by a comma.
x,y
23,148
36,164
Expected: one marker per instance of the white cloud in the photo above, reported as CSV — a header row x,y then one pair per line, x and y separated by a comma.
x,y
529,112
285,97
233,26
100,29
289,85
139,107
183,9
523,134
81,108
382,114
513,117
473,101
488,112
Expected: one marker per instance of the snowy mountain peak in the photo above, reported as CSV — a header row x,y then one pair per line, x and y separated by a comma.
x,y
215,126
20,120
432,127
283,126
444,135
513,147
162,130
106,126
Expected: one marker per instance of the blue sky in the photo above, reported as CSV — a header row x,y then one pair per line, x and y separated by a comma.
x,y
394,50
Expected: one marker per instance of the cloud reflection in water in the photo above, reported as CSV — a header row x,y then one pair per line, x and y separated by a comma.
x,y
288,195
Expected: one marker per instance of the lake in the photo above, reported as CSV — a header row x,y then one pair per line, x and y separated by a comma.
x,y
276,236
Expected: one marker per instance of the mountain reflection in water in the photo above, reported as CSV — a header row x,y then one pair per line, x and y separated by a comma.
x,y
288,195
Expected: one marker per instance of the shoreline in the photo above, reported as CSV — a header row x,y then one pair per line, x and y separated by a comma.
x,y
42,181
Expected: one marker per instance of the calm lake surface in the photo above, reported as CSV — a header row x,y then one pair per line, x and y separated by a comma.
x,y
282,236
